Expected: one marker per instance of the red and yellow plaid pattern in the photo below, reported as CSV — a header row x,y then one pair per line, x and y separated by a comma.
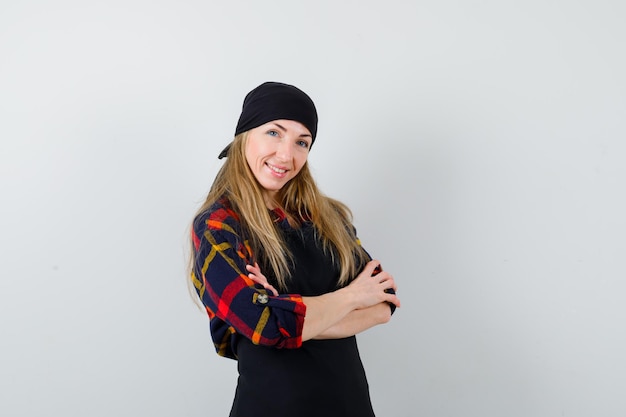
x,y
235,304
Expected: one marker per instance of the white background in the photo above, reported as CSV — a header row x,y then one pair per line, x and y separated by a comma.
x,y
481,146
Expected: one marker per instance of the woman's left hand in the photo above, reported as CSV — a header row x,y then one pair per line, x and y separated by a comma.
x,y
256,276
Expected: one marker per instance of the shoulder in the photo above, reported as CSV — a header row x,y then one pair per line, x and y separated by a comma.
x,y
219,216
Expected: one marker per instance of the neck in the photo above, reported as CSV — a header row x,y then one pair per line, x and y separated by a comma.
x,y
270,200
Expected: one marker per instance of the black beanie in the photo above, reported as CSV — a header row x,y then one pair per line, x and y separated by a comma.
x,y
273,101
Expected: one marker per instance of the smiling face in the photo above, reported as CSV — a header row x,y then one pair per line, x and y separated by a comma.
x,y
276,152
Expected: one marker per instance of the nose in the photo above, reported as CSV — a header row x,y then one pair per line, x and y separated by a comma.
x,y
284,150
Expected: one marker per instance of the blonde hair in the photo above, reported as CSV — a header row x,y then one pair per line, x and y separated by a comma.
x,y
301,200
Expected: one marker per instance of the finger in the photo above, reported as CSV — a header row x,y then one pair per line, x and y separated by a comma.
x,y
272,289
269,287
254,269
394,300
386,279
256,279
389,283
383,276
263,283
371,266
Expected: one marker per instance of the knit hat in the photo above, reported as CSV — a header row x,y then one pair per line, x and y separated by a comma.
x,y
273,101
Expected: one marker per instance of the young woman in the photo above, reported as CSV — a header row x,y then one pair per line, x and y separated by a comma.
x,y
281,272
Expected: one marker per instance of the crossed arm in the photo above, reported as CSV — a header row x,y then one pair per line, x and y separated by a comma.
x,y
229,289
357,321
363,304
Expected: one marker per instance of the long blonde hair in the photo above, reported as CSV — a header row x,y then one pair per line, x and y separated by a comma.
x,y
301,200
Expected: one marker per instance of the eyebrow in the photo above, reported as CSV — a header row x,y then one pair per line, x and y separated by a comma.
x,y
306,135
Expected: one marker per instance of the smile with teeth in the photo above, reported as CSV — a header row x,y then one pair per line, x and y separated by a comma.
x,y
276,169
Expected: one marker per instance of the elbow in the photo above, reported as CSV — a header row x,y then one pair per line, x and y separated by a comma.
x,y
277,340
384,314
280,334
386,317
281,342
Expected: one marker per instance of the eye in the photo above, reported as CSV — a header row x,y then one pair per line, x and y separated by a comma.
x,y
273,133
303,143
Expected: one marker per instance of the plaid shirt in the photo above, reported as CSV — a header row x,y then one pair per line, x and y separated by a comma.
x,y
235,304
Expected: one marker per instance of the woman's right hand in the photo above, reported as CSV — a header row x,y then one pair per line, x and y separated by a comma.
x,y
369,288
255,274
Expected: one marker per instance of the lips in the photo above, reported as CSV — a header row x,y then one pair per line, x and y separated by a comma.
x,y
277,170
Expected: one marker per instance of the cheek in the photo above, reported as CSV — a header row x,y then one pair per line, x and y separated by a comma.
x,y
300,162
253,150
257,150
249,157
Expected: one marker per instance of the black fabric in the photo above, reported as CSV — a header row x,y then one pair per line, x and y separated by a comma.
x,y
323,377
274,101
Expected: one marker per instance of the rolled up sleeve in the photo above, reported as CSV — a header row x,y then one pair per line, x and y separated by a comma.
x,y
235,304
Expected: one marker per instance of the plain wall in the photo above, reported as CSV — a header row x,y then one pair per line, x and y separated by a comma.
x,y
481,146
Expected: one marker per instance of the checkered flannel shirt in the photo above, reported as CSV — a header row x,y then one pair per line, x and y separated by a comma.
x,y
235,304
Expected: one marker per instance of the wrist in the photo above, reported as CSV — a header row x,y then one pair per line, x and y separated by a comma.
x,y
347,297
